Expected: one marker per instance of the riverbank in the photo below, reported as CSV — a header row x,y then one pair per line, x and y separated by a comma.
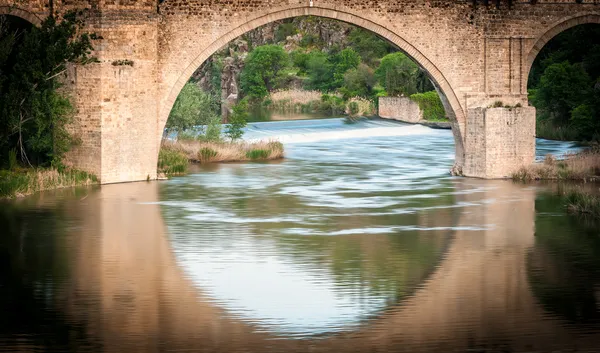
x,y
25,182
174,157
582,167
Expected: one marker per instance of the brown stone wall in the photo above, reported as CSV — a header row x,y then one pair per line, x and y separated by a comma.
x,y
400,108
498,141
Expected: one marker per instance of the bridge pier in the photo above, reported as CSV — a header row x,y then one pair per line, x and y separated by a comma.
x,y
498,140
117,98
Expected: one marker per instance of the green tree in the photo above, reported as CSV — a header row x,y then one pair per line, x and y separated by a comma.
x,y
192,108
359,82
319,71
341,62
562,88
35,114
237,121
368,45
262,71
398,74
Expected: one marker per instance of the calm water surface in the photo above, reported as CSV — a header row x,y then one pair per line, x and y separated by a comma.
x,y
358,241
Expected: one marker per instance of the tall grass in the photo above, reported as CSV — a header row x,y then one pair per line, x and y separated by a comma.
x,y
580,166
583,203
172,161
307,102
546,129
363,106
294,96
28,181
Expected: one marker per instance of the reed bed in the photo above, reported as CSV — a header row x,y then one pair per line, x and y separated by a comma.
x,y
29,181
583,203
365,106
580,166
296,96
173,153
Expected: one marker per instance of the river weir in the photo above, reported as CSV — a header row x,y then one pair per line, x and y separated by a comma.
x,y
358,241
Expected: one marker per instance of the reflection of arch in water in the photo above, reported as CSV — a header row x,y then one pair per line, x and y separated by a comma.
x,y
142,300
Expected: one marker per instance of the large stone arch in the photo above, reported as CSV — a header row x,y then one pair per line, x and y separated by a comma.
x,y
451,101
21,13
552,31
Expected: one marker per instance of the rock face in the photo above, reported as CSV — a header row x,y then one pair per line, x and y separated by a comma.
x,y
220,74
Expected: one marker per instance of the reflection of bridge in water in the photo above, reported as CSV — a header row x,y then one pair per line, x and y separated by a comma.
x,y
134,296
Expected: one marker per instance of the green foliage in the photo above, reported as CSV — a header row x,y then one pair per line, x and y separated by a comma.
x,y
563,85
172,161
257,154
237,121
206,154
353,108
213,130
285,30
28,181
319,71
368,45
583,203
32,61
431,105
192,109
12,159
398,75
359,82
340,63
263,70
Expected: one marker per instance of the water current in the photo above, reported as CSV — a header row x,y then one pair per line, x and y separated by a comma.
x,y
358,241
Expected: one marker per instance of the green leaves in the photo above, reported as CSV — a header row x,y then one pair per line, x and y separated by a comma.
x,y
263,70
192,108
34,113
237,121
398,74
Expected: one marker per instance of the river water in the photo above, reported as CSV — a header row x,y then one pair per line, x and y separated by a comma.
x,y
358,241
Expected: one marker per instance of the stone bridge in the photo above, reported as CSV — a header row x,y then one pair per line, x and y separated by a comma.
x,y
476,52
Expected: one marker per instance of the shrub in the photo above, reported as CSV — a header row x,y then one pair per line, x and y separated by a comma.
x,y
353,108
237,121
431,105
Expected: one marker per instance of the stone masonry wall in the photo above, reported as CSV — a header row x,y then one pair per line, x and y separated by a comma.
x,y
499,141
400,108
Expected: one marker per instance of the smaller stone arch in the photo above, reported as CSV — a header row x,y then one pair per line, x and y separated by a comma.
x,y
21,13
554,30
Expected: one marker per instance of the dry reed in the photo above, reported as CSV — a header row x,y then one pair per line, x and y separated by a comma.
x,y
296,96
211,152
580,166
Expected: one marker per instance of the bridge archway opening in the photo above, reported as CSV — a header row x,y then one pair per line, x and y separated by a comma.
x,y
449,99
22,17
563,70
